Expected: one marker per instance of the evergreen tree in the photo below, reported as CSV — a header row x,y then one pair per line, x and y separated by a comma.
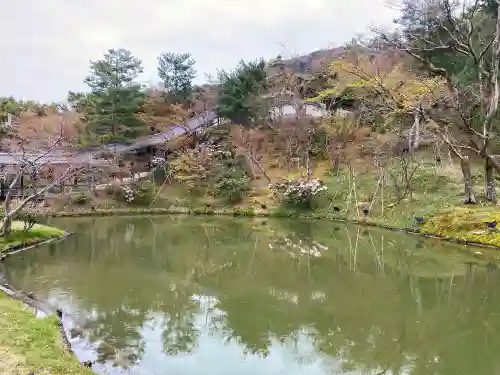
x,y
116,98
176,70
240,93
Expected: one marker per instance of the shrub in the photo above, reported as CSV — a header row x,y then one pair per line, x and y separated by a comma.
x,y
128,194
204,210
157,162
114,191
29,219
244,212
161,174
140,193
144,192
232,187
231,180
81,199
297,193
319,144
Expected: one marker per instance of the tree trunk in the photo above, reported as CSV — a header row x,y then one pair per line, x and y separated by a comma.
x,y
7,220
470,198
2,190
6,226
336,165
258,165
414,135
246,163
308,166
489,182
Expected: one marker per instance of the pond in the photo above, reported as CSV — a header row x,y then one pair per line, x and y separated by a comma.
x,y
194,295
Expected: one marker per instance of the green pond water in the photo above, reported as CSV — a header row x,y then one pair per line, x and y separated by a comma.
x,y
191,295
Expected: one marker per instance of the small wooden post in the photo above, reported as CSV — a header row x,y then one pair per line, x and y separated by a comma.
x,y
2,189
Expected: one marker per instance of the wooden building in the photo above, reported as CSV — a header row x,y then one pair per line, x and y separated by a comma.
x,y
157,144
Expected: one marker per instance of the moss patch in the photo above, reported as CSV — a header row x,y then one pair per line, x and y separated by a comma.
x,y
19,237
465,225
31,344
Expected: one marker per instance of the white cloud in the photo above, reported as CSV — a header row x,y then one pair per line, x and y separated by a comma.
x,y
46,45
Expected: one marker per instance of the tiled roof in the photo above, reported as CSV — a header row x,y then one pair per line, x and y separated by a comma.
x,y
175,131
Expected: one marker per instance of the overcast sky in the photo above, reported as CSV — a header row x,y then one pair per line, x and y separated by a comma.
x,y
46,45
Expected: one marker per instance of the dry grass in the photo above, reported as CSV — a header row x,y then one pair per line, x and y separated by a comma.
x,y
39,130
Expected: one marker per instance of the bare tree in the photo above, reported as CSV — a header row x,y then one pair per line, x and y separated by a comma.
x,y
45,170
466,33
341,130
288,90
250,143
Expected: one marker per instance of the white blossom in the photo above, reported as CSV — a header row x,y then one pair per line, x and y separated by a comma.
x,y
156,161
298,191
128,194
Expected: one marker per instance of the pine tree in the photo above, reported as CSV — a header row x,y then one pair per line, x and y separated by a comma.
x,y
177,73
116,96
240,93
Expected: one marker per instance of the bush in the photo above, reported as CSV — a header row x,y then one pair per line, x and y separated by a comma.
x,y
81,199
29,219
161,174
128,194
319,144
231,184
203,211
244,212
144,193
114,191
139,193
297,193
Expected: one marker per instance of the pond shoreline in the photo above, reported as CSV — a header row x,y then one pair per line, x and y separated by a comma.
x,y
18,248
29,300
205,211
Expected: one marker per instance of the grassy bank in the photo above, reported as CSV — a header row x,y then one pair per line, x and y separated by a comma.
x,y
435,193
436,197
19,237
31,344
135,211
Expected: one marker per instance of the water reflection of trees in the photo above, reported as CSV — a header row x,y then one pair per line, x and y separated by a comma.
x,y
376,300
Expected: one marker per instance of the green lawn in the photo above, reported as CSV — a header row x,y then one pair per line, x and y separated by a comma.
x,y
31,344
20,237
